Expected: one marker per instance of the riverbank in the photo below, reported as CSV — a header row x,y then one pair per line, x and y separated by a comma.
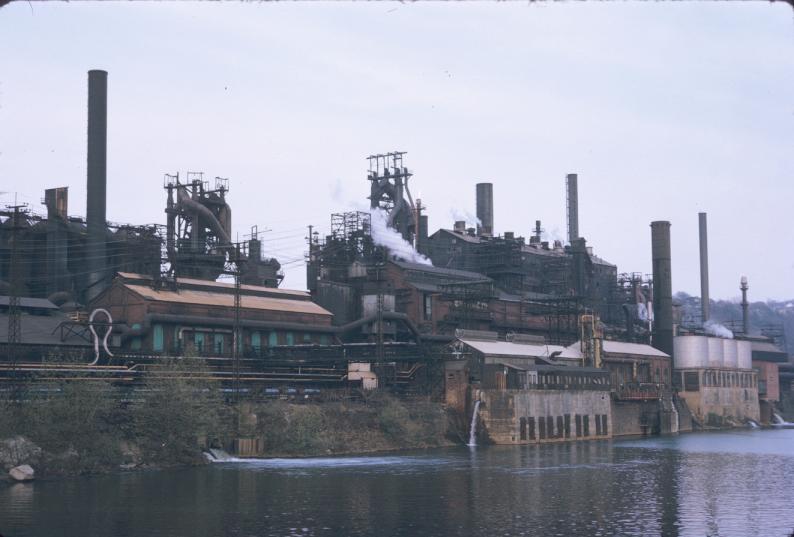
x,y
65,429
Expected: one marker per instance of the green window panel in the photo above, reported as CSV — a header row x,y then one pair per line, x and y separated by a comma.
x,y
290,338
158,338
272,339
218,343
256,340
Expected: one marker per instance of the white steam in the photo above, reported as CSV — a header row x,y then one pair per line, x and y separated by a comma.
x,y
388,237
716,329
465,216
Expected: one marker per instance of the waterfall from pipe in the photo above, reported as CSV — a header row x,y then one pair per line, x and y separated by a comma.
x,y
779,421
473,427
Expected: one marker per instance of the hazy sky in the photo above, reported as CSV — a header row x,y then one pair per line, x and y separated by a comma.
x,y
664,110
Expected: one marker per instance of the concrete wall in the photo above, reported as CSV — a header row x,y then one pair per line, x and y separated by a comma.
x,y
768,374
732,403
501,414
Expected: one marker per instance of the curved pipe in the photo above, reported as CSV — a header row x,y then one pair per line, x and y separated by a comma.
x,y
183,200
106,313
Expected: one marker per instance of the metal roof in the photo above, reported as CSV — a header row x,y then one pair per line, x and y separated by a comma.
x,y
221,285
637,349
521,350
40,330
30,303
224,299
441,271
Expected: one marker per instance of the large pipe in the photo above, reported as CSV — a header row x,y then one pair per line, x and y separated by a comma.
x,y
704,268
96,218
745,306
572,195
662,287
485,208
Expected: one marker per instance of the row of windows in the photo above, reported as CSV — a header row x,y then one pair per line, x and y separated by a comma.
x,y
220,342
571,380
692,380
560,427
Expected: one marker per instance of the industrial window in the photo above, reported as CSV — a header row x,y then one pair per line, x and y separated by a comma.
x,y
542,427
604,424
218,343
531,428
158,343
427,307
522,429
272,339
567,426
256,340
323,339
691,383
307,337
598,425
135,343
289,338
559,427
549,427
578,425
198,341
586,425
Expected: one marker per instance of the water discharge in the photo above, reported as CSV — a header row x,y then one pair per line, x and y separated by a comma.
x,y
473,426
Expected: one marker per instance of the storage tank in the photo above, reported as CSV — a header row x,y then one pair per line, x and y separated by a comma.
x,y
716,354
730,353
691,352
744,354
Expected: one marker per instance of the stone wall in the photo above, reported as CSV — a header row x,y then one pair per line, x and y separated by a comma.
x,y
732,404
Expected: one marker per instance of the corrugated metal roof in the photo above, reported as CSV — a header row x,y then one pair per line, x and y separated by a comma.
x,y
220,285
430,269
521,350
207,298
41,330
639,349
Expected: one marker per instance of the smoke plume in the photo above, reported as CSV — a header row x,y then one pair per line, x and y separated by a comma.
x,y
716,329
388,237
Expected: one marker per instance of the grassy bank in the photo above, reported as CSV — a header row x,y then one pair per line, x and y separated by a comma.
x,y
68,428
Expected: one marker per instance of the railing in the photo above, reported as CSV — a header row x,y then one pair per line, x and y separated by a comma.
x,y
641,391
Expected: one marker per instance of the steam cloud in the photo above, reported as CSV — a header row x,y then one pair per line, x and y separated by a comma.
x,y
716,329
388,237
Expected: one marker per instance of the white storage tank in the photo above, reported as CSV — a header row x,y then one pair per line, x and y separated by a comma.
x,y
716,354
730,353
690,352
744,354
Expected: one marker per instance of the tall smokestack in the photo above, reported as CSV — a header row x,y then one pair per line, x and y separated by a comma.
x,y
96,220
745,306
572,195
662,287
485,208
704,268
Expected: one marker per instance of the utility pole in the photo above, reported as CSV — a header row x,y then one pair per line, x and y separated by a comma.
x,y
14,313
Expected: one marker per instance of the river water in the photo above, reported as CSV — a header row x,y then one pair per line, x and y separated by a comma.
x,y
738,483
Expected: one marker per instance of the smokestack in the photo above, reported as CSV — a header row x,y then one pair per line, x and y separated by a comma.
x,y
745,306
704,268
422,234
485,208
662,287
96,220
572,194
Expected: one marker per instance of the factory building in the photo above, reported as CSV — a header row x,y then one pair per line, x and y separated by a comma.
x,y
526,393
198,316
716,379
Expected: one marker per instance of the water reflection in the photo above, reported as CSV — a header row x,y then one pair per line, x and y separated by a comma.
x,y
707,484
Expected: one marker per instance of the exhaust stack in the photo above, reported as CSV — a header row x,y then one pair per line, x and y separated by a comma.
x,y
572,197
662,287
96,219
704,268
485,209
745,306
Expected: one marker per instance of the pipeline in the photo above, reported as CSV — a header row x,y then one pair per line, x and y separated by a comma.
x,y
185,201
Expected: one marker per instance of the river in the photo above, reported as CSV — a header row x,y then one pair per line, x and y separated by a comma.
x,y
737,483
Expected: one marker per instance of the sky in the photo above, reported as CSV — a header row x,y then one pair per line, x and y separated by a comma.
x,y
664,109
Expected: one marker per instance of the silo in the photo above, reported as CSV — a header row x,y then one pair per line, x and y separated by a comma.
x,y
730,353
691,352
744,354
716,352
